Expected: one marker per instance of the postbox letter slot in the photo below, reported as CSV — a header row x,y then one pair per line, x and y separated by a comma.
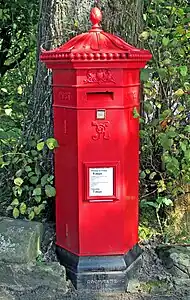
x,y
102,200
100,96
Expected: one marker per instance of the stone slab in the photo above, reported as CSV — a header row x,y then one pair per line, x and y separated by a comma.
x,y
19,240
176,260
22,278
5,295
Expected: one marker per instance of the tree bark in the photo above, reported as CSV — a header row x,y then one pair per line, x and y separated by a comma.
x,y
59,21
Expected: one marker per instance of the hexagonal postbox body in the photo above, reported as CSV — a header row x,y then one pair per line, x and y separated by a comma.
x,y
96,86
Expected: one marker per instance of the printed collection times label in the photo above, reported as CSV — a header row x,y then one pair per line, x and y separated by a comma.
x,y
101,182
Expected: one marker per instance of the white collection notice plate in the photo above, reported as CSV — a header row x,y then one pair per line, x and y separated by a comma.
x,y
101,182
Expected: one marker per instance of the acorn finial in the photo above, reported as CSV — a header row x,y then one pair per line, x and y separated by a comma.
x,y
95,17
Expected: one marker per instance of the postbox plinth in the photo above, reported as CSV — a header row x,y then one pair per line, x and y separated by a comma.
x,y
101,273
96,87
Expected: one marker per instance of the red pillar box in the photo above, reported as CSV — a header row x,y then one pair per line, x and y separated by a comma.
x,y
95,90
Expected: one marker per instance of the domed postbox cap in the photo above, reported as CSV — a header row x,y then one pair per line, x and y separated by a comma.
x,y
95,45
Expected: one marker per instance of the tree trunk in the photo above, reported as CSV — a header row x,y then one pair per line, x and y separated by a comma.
x,y
59,21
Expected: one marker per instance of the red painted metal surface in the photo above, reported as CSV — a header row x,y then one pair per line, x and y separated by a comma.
x,y
96,81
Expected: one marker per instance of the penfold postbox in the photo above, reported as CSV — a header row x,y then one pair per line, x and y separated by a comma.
x,y
96,85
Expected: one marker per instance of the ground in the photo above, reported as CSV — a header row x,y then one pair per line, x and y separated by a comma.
x,y
164,275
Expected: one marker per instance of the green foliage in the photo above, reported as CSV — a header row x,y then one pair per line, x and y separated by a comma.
x,y
159,203
18,21
165,134
135,113
146,232
148,227
32,187
153,286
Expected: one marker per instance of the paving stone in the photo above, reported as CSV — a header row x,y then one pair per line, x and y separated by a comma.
x,y
19,240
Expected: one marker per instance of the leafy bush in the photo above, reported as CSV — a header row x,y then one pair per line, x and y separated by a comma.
x,y
32,186
165,113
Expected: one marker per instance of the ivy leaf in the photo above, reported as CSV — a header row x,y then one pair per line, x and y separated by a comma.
x,y
16,213
15,202
171,134
165,141
51,177
29,160
18,181
17,190
50,191
8,111
153,204
14,25
159,105
51,143
44,179
135,113
37,191
165,41
38,209
144,17
183,146
34,152
147,171
142,175
152,175
181,108
4,90
40,146
145,203
148,107
162,72
183,70
22,208
18,173
28,169
145,74
173,166
179,92
33,179
187,154
30,174
144,35
19,90
187,128
161,186
38,199
31,215
166,62
76,23
167,201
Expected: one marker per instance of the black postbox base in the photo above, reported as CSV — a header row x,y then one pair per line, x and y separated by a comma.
x,y
101,273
